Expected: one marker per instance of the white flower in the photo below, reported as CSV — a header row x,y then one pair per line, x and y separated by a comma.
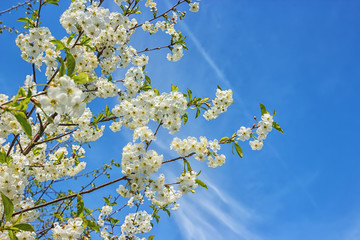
x,y
194,7
256,144
243,133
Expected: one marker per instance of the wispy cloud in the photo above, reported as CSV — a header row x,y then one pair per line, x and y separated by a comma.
x,y
206,56
219,73
213,214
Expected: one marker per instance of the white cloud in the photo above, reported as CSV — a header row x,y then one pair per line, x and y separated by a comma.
x,y
213,214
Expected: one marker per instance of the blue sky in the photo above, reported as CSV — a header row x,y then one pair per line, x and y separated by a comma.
x,y
298,57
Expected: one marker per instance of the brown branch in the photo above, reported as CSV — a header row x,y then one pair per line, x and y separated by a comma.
x,y
174,159
15,7
156,131
22,98
38,136
57,137
157,48
70,196
38,14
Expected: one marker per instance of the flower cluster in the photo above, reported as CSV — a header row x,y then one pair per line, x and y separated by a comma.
x,y
71,230
162,195
166,108
63,98
35,44
176,53
135,159
105,211
187,182
134,223
220,103
202,149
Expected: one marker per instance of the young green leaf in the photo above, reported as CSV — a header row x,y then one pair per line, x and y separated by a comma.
x,y
263,109
25,20
70,63
277,127
188,165
92,225
147,79
70,38
62,67
82,78
174,88
224,139
151,237
25,227
197,112
167,211
201,183
4,158
59,44
238,149
189,93
8,207
185,117
12,235
24,123
156,91
55,2
79,206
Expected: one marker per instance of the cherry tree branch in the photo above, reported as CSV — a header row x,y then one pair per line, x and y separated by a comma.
x,y
15,7
70,196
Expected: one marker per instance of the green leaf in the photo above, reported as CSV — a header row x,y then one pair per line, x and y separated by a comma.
x,y
62,67
4,158
197,112
147,79
224,139
61,156
156,91
82,78
85,40
79,206
70,63
55,2
185,117
174,88
8,207
189,93
201,183
25,227
146,88
263,109
92,225
188,165
238,149
11,235
25,20
114,221
151,237
219,87
277,127
70,38
59,44
167,211
21,118
204,100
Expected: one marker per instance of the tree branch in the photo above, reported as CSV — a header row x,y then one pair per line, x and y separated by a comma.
x,y
70,196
